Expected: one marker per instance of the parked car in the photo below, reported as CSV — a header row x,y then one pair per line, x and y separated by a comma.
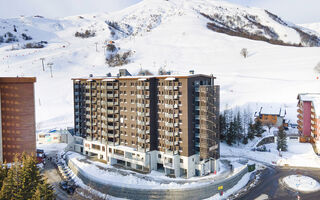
x,y
63,185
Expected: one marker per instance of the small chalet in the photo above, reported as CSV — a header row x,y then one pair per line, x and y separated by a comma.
x,y
270,115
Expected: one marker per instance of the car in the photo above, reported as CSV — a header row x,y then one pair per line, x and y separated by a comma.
x,y
63,185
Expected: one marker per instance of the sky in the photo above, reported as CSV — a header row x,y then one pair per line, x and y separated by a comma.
x,y
296,11
59,8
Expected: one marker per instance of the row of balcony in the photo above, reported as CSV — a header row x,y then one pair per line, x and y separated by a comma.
x,y
143,114
171,96
141,131
140,96
171,87
168,115
140,105
146,87
171,106
143,123
168,124
171,134
143,140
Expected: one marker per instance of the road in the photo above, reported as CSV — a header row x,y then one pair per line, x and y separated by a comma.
x,y
269,184
51,173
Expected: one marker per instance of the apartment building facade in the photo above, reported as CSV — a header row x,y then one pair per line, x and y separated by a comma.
x,y
309,117
17,122
166,122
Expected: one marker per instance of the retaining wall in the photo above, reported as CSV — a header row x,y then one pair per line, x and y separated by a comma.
x,y
196,192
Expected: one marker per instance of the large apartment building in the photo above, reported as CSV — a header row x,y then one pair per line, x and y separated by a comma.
x,y
166,122
17,117
309,117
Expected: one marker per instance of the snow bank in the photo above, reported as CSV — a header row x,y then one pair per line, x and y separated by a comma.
x,y
243,182
298,154
301,183
54,147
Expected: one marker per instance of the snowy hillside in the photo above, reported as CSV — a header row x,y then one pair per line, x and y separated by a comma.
x,y
171,34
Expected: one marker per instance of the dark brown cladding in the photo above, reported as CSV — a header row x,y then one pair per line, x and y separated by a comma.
x,y
152,113
17,116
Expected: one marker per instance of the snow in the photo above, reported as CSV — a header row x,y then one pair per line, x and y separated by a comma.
x,y
242,183
176,39
54,147
298,154
108,174
301,183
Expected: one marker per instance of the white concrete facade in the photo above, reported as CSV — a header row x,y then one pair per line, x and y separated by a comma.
x,y
174,165
91,148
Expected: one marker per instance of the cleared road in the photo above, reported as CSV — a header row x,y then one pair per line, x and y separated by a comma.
x,y
270,186
51,173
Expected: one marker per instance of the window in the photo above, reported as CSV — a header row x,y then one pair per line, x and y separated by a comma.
x,y
181,160
159,155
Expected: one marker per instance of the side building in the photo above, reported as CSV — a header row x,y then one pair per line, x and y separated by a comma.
x,y
309,117
167,123
17,122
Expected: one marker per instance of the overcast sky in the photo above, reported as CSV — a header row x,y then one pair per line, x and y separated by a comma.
x,y
297,11
59,8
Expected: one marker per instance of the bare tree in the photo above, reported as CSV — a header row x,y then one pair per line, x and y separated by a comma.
x,y
244,52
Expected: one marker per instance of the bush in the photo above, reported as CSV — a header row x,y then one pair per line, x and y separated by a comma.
x,y
35,45
111,47
144,72
86,34
10,37
118,59
26,37
244,52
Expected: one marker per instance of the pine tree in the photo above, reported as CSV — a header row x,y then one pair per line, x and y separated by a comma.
x,y
282,139
251,131
44,191
231,136
3,173
258,128
11,184
223,126
30,176
238,127
245,140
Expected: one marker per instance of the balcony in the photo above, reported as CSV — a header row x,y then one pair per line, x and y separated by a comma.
x,y
88,87
168,165
176,142
109,87
88,101
169,143
168,124
167,133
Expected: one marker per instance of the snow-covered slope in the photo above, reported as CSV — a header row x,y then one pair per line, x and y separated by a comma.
x,y
171,34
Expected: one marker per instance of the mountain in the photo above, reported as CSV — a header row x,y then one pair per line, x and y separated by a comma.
x,y
175,35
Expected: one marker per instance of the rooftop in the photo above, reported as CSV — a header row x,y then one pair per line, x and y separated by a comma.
x,y
314,98
270,110
128,76
18,79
